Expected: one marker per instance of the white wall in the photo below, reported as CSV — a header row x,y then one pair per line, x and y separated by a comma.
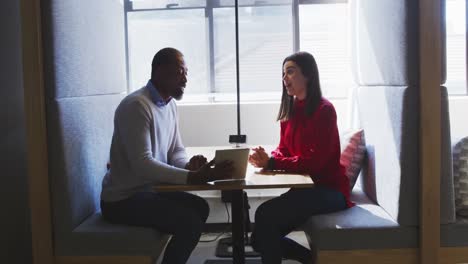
x,y
211,125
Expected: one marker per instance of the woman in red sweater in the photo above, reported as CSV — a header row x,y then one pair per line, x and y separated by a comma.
x,y
309,144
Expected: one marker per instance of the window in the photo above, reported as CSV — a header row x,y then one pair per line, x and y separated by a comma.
x,y
265,38
456,46
205,32
149,31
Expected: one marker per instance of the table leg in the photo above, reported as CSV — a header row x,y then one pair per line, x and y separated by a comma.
x,y
237,208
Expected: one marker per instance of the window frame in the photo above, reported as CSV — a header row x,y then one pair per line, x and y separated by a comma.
x,y
209,5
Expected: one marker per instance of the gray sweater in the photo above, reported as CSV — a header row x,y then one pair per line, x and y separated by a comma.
x,y
146,146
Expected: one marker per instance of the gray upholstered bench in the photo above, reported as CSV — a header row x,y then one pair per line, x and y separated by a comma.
x,y
383,226
84,82
96,237
365,226
385,67
79,141
453,234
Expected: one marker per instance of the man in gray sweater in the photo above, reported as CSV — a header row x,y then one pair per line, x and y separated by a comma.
x,y
146,150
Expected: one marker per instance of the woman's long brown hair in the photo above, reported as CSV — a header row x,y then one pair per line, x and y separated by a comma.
x,y
309,69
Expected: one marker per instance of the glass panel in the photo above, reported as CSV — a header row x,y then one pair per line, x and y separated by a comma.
x,y
265,37
150,31
456,46
324,33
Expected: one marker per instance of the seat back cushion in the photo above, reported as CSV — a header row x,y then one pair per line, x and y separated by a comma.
x,y
385,63
390,119
447,192
84,63
384,43
80,133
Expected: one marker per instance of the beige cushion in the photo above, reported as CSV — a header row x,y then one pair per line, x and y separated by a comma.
x,y
353,153
460,176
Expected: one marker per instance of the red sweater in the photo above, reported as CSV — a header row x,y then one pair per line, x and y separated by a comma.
x,y
311,144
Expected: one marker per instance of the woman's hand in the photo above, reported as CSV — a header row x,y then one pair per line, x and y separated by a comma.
x,y
196,162
259,158
208,172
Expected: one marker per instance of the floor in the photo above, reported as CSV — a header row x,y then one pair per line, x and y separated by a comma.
x,y
206,250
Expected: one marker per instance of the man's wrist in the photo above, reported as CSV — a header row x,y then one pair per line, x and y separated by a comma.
x,y
194,177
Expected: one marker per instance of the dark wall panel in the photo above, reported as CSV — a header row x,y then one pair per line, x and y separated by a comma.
x,y
15,238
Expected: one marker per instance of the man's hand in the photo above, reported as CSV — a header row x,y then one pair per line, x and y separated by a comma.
x,y
196,162
259,158
208,172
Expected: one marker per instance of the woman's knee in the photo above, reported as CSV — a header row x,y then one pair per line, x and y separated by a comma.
x,y
264,214
266,228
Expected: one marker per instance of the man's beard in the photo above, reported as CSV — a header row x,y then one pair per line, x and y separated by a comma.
x,y
178,93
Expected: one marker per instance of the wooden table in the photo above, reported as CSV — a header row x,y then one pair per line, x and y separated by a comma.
x,y
254,180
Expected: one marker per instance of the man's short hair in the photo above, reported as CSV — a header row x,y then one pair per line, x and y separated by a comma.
x,y
165,56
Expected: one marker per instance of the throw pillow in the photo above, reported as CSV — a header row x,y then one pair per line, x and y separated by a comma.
x,y
460,176
353,151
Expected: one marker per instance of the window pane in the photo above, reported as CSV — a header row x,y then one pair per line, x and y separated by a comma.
x,y
324,33
456,46
185,30
265,39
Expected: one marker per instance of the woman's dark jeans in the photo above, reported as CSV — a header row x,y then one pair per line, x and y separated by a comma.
x,y
279,216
